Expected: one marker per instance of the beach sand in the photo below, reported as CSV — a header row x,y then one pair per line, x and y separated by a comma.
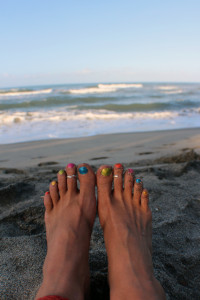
x,y
169,164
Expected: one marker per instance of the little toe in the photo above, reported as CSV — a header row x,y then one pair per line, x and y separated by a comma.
x,y
138,187
48,202
71,178
118,180
145,200
53,188
128,183
62,182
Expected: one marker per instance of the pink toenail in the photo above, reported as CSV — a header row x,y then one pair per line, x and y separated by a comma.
x,y
118,166
47,193
130,171
70,166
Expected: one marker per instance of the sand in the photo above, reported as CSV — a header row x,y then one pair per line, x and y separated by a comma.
x,y
168,162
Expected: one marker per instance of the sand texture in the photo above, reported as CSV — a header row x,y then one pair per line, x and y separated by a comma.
x,y
169,164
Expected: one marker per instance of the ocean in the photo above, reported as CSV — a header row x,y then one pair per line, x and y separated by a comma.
x,y
78,110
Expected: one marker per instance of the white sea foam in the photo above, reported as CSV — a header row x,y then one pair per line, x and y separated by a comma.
x,y
14,92
173,92
104,88
8,118
167,87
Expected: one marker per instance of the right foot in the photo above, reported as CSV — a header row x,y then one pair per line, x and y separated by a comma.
x,y
126,220
69,218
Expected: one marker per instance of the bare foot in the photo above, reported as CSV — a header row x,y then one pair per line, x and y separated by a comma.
x,y
69,219
127,224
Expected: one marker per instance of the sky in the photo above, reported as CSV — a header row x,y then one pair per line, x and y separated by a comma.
x,y
57,42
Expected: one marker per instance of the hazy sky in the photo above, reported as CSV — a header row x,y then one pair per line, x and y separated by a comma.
x,y
61,41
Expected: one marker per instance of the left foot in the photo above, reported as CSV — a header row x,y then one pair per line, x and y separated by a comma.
x,y
69,218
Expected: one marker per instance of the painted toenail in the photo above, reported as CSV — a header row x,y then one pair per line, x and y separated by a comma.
x,y
130,171
70,165
47,193
138,180
145,193
106,171
53,183
118,166
83,170
61,172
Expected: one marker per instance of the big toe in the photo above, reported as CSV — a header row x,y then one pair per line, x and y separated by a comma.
x,y
87,179
104,180
87,198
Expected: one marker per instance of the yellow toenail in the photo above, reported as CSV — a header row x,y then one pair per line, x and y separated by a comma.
x,y
106,171
53,183
61,172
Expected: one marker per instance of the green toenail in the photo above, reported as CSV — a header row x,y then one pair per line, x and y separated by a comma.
x,y
61,172
106,171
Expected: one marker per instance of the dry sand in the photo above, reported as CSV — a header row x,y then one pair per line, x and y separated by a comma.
x,y
168,162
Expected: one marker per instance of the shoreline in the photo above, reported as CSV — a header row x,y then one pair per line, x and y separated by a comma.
x,y
100,149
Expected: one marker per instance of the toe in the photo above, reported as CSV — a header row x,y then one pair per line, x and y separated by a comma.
x,y
48,202
86,177
54,192
145,200
71,178
62,182
118,180
128,183
137,191
104,179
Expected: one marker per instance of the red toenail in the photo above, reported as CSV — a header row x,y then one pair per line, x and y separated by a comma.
x,y
47,193
118,166
70,165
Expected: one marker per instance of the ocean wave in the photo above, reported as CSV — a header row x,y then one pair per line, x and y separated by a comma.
x,y
166,87
8,118
15,92
104,88
173,92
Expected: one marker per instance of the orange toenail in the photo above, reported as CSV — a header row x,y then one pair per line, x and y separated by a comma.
x,y
145,193
118,166
53,183
47,193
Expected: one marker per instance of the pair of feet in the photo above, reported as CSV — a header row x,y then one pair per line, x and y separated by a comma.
x,y
126,221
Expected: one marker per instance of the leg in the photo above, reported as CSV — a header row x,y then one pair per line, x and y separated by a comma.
x,y
127,224
69,219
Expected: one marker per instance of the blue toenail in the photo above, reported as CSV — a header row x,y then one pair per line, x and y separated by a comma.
x,y
83,170
138,180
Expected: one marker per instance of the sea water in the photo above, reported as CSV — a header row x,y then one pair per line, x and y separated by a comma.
x,y
78,110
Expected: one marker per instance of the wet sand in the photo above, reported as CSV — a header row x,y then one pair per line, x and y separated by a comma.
x,y
169,164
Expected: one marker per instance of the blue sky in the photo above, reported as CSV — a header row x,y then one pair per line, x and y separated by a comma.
x,y
48,41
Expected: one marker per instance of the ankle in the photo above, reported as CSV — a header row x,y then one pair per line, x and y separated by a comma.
x,y
138,290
